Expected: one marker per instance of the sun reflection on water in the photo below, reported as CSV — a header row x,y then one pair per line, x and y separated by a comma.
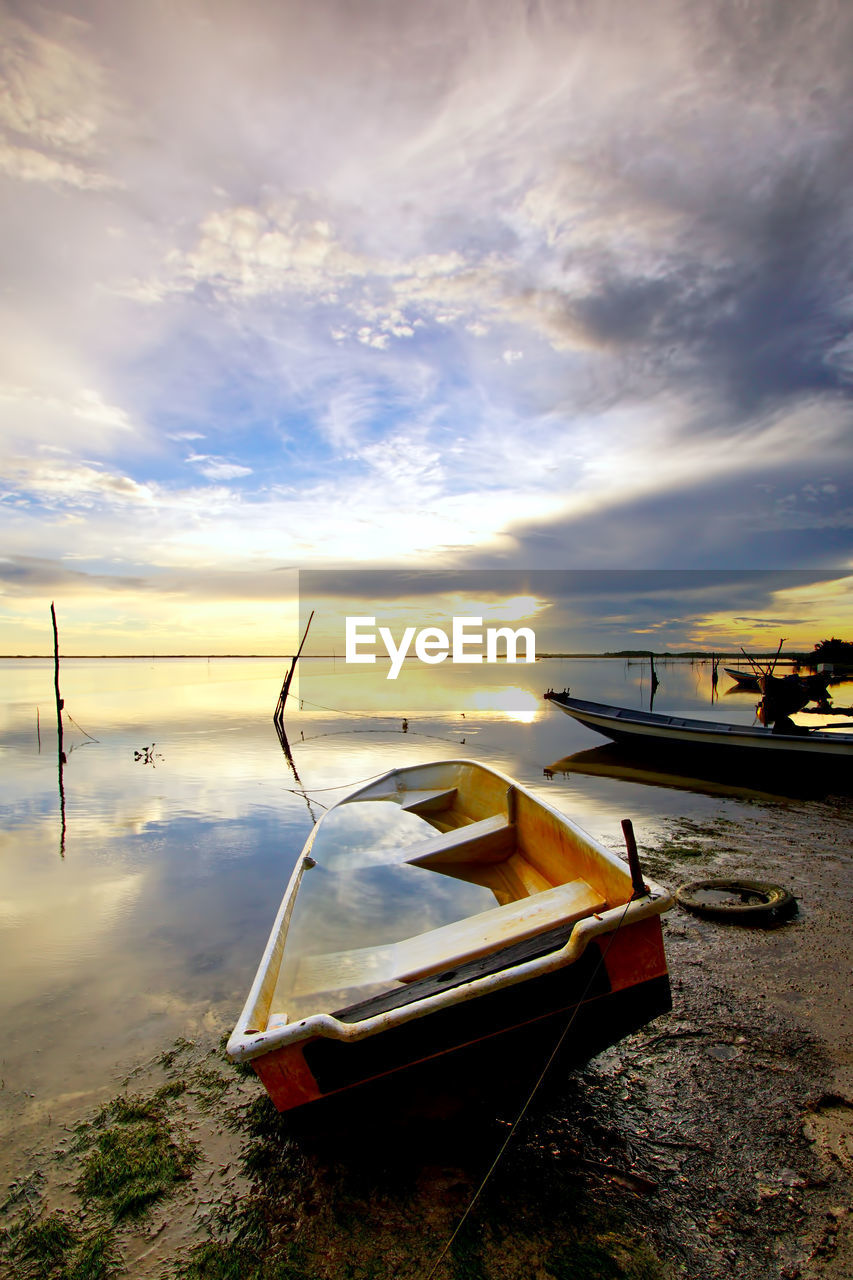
x,y
509,703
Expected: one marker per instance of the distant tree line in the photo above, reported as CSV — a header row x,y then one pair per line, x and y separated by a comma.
x,y
834,650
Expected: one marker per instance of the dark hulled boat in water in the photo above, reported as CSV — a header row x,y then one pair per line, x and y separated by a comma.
x,y
662,733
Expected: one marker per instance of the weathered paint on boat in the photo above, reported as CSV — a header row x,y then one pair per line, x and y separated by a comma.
x,y
567,939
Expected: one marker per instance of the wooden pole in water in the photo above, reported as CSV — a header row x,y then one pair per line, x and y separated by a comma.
x,y
278,715
56,667
59,705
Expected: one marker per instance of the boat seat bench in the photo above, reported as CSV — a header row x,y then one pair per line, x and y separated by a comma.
x,y
428,801
488,840
449,945
476,936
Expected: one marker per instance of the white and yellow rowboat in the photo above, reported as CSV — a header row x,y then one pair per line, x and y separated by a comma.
x,y
438,907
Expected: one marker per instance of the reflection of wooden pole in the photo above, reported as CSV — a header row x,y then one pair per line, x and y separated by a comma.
x,y
59,705
288,755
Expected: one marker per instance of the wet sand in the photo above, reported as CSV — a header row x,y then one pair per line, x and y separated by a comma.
x,y
753,1070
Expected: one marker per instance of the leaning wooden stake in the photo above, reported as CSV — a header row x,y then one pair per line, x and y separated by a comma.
x,y
59,705
278,715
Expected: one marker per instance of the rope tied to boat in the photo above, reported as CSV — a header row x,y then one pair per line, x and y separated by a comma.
x,y
639,890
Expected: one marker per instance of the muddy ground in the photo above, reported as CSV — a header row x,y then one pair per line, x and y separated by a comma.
x,y
717,1141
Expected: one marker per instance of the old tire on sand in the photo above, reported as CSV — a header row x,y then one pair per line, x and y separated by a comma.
x,y
737,901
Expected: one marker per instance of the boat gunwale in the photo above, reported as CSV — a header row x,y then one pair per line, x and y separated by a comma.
x,y
245,1043
243,1046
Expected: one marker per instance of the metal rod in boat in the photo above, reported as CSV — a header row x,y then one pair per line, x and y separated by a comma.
x,y
637,883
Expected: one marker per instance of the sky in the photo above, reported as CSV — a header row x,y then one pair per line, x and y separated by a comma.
x,y
349,284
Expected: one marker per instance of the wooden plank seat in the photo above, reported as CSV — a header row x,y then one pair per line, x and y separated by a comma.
x,y
488,840
475,936
449,945
428,801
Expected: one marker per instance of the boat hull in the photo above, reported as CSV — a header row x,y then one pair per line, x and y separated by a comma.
x,y
747,680
675,734
616,987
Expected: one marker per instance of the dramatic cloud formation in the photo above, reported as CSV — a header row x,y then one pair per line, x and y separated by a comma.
x,y
551,284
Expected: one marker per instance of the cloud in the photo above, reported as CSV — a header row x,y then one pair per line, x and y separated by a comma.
x,y
30,165
485,284
53,481
248,251
218,468
84,403
25,575
52,103
49,86
721,515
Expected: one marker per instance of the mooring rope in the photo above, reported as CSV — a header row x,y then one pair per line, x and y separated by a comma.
x,y
339,733
338,710
306,791
68,716
529,1098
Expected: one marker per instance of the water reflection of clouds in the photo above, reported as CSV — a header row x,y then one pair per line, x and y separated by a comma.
x,y
448,691
346,920
49,922
113,696
367,834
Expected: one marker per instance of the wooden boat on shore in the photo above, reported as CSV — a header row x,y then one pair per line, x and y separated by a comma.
x,y
662,733
435,910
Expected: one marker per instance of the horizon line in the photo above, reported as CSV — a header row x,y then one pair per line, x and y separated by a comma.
x,y
586,653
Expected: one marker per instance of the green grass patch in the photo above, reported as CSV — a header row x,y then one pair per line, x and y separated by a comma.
x,y
136,1159
606,1257
221,1260
46,1242
96,1258
181,1045
585,1260
173,1089
208,1085
51,1248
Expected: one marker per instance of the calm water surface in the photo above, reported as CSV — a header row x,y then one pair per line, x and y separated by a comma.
x,y
144,917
